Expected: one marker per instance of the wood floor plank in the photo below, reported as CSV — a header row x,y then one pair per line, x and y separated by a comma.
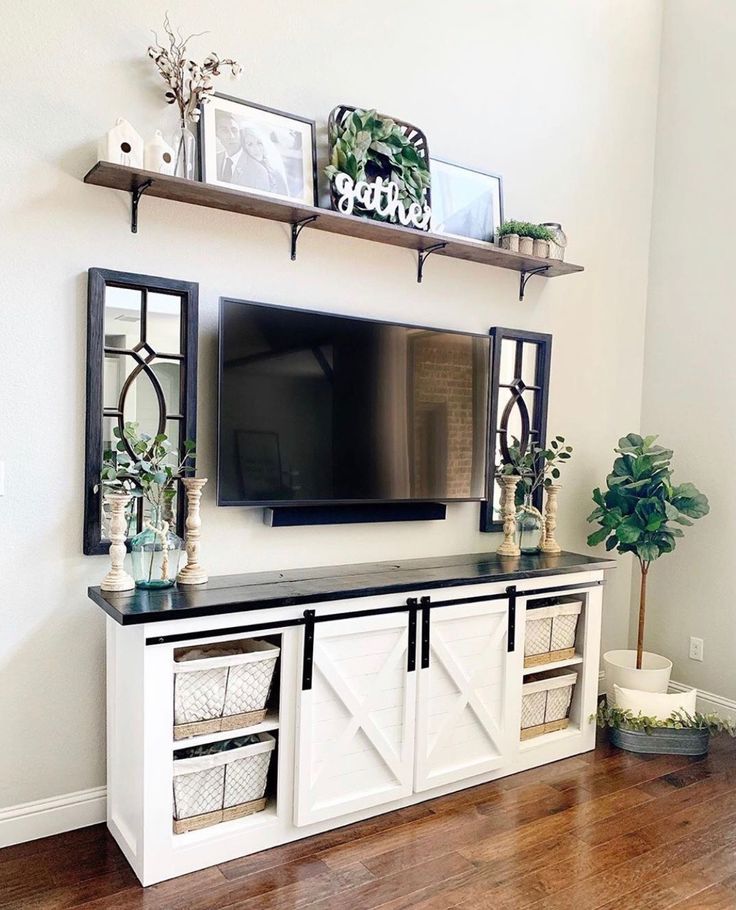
x,y
383,890
692,879
303,894
716,897
593,892
320,843
604,831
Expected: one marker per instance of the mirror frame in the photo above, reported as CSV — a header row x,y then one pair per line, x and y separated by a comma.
x,y
536,421
98,282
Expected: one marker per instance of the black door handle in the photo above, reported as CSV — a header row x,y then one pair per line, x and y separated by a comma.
x,y
411,658
511,635
425,632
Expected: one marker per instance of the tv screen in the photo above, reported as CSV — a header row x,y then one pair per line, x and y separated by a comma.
x,y
317,408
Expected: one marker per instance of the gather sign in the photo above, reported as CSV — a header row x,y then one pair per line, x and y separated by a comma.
x,y
382,197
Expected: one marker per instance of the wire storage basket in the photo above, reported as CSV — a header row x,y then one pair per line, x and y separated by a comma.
x,y
545,702
223,686
220,782
551,626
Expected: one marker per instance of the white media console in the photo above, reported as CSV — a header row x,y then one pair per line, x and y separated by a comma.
x,y
396,683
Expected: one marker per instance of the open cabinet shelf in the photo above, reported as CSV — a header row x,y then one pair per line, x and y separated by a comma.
x,y
137,181
268,725
570,662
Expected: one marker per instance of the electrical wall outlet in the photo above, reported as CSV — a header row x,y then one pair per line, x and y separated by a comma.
x,y
696,648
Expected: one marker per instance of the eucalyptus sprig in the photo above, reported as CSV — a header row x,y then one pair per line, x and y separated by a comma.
x,y
154,469
190,83
618,719
535,466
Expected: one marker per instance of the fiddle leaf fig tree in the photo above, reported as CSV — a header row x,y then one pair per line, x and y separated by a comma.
x,y
642,511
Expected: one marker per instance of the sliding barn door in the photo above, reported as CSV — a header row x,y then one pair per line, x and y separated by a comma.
x,y
355,742
462,716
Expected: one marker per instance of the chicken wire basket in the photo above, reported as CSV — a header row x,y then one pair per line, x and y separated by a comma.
x,y
551,626
223,686
545,702
222,786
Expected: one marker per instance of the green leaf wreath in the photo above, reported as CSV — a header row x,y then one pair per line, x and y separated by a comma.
x,y
366,145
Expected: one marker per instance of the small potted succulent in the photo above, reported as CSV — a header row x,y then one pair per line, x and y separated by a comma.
x,y
526,238
150,468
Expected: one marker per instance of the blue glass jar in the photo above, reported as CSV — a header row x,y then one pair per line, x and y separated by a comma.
x,y
155,552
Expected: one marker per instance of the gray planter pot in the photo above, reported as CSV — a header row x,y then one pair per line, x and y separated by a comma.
x,y
662,742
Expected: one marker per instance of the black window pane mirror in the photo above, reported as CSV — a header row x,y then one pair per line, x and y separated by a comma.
x,y
518,406
141,367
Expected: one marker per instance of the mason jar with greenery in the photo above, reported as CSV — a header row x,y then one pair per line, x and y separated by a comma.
x,y
150,468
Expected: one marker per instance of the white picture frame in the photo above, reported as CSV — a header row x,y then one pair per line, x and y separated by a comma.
x,y
466,203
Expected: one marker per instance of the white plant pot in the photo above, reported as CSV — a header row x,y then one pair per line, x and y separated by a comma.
x,y
541,249
620,667
510,242
526,246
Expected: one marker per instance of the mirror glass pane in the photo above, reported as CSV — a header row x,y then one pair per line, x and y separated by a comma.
x,y
115,369
163,323
529,363
141,404
123,316
508,358
168,374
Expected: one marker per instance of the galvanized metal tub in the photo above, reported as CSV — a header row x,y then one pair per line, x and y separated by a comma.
x,y
662,741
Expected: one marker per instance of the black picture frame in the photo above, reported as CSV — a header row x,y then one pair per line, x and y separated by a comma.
x,y
496,179
207,137
534,419
98,282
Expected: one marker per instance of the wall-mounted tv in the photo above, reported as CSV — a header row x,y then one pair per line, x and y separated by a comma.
x,y
317,408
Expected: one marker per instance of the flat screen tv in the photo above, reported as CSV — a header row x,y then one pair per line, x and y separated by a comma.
x,y
316,408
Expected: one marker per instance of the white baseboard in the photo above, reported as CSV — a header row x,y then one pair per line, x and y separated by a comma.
x,y
29,821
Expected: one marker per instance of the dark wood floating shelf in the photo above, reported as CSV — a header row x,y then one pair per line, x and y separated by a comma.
x,y
137,182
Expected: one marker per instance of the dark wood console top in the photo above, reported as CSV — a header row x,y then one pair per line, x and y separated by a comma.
x,y
261,590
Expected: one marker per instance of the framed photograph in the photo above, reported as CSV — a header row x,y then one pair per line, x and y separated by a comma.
x,y
248,147
465,203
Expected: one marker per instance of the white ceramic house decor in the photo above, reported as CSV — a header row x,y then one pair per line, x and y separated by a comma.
x,y
159,156
508,547
122,145
549,544
193,573
117,579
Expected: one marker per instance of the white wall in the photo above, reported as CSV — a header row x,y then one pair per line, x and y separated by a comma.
x,y
690,372
558,97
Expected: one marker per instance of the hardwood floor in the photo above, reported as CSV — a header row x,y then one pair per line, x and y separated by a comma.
x,y
601,831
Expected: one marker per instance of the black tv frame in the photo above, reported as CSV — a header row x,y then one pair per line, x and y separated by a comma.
x,y
328,503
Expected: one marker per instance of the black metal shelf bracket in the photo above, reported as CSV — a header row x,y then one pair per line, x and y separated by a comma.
x,y
524,276
135,198
296,229
422,256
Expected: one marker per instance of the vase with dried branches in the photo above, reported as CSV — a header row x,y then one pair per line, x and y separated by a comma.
x,y
190,85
